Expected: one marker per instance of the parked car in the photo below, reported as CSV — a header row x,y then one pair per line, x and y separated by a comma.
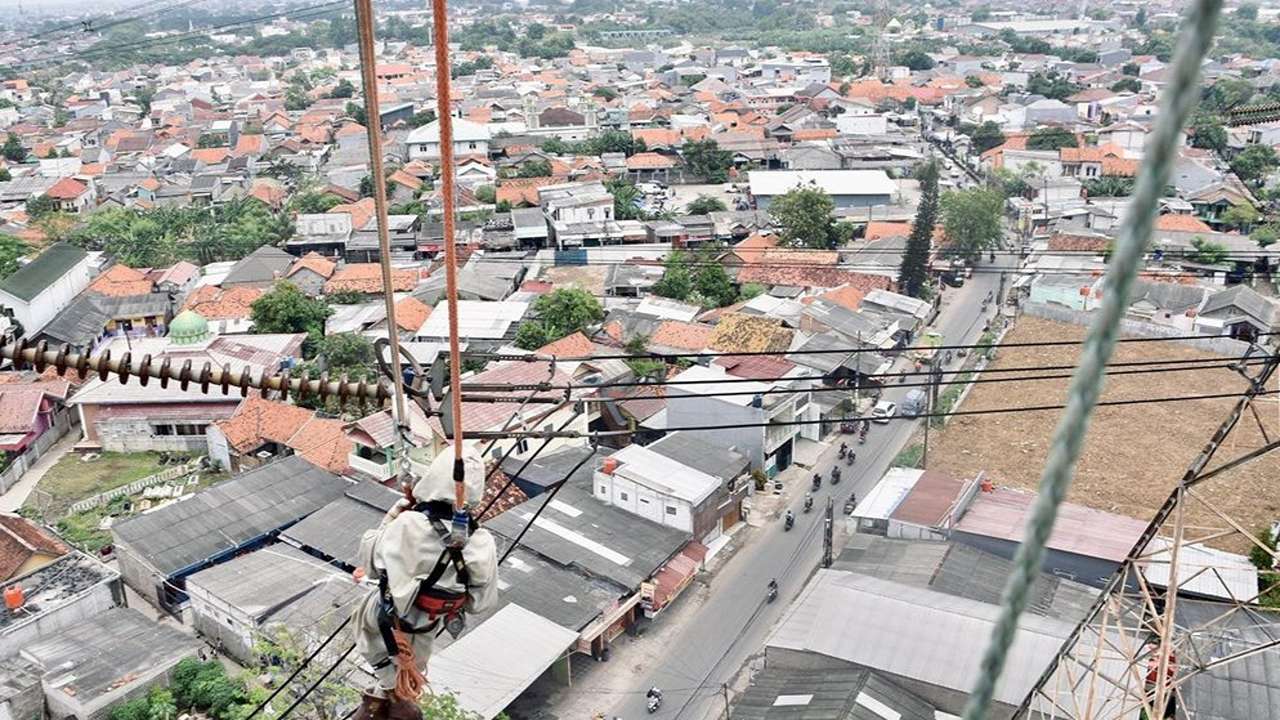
x,y
849,506
914,402
884,411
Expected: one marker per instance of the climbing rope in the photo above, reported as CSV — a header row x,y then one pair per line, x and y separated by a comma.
x,y
1193,44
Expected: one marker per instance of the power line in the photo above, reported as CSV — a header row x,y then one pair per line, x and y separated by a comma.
x,y
731,380
532,357
872,418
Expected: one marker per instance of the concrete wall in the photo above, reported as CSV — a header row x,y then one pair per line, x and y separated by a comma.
x,y
138,436
37,313
709,411
218,448
90,603
1080,568
643,501
841,201
224,626
63,421
136,572
1135,328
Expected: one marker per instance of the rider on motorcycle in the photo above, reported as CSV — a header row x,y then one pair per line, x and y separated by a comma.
x,y
808,501
654,692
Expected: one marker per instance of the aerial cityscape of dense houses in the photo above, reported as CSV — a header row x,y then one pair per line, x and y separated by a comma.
x,y
730,247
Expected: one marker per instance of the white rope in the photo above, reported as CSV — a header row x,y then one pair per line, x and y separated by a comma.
x,y
1162,150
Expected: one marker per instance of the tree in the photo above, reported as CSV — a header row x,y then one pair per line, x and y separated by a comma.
x,y
1051,138
1247,11
803,217
913,275
13,149
1265,236
1254,162
642,367
560,313
357,113
677,280
1109,187
1127,84
5,176
41,205
706,159
344,89
160,705
712,284
1226,93
981,14
280,651
1140,17
534,168
313,202
487,194
1051,85
704,204
606,92
422,117
1207,133
971,221
1240,216
626,200
986,136
286,309
11,249
1208,252
973,81
366,188
915,60
532,335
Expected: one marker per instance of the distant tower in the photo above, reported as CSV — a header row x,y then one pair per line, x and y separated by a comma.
x,y
530,112
880,59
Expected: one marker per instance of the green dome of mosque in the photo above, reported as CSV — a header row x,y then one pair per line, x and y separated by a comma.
x,y
188,328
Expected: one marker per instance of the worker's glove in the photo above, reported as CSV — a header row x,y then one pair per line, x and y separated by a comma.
x,y
401,505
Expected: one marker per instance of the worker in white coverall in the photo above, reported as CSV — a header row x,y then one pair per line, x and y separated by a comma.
x,y
420,584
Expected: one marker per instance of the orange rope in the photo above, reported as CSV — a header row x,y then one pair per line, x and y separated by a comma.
x,y
444,114
410,681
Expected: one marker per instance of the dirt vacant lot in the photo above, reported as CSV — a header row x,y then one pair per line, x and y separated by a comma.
x,y
1133,454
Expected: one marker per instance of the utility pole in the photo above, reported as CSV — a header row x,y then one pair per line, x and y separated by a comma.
x,y
828,525
725,688
857,377
1000,292
930,402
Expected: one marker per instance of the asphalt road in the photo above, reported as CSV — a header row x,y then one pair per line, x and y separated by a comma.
x,y
735,620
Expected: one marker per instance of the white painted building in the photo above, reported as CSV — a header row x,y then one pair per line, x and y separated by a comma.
x,y
41,289
802,71
653,486
469,138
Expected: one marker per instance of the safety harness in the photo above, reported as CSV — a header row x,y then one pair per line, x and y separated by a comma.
x,y
439,604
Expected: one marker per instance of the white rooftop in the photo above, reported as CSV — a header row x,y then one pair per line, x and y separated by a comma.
x,y
832,182
663,474
479,319
888,494
707,384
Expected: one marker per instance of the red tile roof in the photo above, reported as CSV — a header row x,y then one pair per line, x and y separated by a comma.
x,y
877,229
20,539
649,161
367,278
411,313
214,303
572,345
320,441
316,263
817,277
1066,242
682,335
755,367
1181,223
67,188
121,281
846,296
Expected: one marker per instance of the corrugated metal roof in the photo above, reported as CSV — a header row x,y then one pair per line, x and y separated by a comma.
x,y
518,642
104,653
719,462
916,633
854,694
1245,689
579,530
31,279
261,582
1079,530
229,514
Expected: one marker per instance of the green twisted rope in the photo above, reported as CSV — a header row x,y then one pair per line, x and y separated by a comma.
x,y
1162,149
